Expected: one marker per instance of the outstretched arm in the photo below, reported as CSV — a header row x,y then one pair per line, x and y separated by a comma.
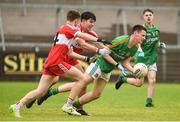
x,y
92,48
72,54
86,45
91,38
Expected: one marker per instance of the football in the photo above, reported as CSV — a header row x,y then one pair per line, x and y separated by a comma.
x,y
140,70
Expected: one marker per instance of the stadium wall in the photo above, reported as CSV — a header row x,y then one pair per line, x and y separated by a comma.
x,y
28,65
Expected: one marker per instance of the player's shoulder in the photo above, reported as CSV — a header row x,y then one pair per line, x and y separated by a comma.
x,y
68,27
155,27
122,38
119,40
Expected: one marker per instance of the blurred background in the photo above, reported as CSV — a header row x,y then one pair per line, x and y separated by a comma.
x,y
27,28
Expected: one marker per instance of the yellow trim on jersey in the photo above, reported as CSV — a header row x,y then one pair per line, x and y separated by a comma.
x,y
114,44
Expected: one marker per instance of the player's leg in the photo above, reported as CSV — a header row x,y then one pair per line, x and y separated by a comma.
x,y
152,69
30,104
83,91
99,85
151,85
42,87
62,88
67,86
92,69
79,107
98,88
75,91
54,91
50,91
130,80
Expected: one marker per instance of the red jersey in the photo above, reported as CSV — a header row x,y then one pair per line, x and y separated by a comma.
x,y
64,39
78,49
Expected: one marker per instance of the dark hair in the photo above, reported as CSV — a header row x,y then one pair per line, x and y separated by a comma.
x,y
138,28
148,10
88,15
72,15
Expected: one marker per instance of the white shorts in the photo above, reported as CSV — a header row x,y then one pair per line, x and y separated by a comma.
x,y
94,71
152,67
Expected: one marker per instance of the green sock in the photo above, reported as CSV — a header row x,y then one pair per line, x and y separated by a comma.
x,y
149,100
124,79
53,91
76,104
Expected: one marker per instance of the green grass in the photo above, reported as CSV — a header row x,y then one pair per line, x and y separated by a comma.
x,y
126,104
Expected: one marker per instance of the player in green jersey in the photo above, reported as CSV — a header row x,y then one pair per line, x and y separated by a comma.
x,y
150,47
122,49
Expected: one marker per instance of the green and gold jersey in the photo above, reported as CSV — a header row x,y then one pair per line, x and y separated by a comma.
x,y
119,52
150,45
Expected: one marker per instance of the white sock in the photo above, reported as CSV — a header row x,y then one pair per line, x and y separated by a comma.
x,y
19,105
69,102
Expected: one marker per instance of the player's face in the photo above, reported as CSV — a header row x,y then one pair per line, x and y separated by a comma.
x,y
87,25
140,36
148,17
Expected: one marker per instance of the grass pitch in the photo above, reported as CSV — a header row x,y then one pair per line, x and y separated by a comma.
x,y
125,104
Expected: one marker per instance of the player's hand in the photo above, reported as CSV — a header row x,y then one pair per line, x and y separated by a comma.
x,y
162,45
140,52
104,51
104,41
121,68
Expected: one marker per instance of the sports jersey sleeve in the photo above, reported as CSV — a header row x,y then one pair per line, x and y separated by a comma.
x,y
68,30
118,41
93,33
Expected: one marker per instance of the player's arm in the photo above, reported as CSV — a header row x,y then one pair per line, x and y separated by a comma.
x,y
99,45
72,54
86,36
161,44
92,48
110,59
116,64
85,45
140,52
90,38
126,63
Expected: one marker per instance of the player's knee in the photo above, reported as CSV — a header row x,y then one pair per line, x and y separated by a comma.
x,y
84,89
86,81
152,81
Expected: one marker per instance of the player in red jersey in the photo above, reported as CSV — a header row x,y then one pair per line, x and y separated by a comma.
x,y
56,63
88,20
